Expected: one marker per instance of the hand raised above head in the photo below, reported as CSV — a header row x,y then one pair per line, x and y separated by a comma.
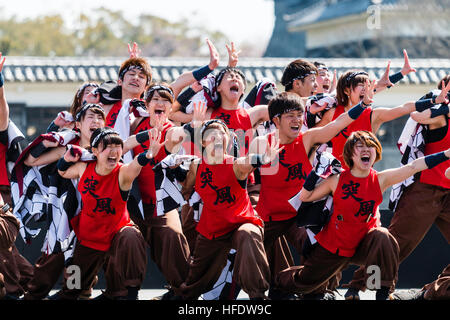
x,y
213,55
406,69
233,55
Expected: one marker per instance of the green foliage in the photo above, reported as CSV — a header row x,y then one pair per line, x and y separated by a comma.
x,y
106,34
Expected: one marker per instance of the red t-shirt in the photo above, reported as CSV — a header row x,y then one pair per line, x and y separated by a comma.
x,y
277,188
111,117
3,172
355,204
436,175
238,121
103,211
226,205
363,122
146,178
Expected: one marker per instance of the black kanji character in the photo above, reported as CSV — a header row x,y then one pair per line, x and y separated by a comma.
x,y
104,205
224,194
89,186
206,178
224,117
349,190
295,172
366,208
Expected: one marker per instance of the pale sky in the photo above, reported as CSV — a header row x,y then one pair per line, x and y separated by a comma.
x,y
241,20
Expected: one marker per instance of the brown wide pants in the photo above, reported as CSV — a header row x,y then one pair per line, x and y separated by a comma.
x,y
378,248
251,269
168,246
125,264
420,206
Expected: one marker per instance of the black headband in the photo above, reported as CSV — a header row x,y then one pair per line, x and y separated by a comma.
x,y
85,108
84,86
157,88
301,77
101,135
354,74
222,72
209,122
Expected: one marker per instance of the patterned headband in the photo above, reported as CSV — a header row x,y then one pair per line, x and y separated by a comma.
x,y
101,135
85,108
354,74
84,86
130,67
228,69
158,87
302,76
209,122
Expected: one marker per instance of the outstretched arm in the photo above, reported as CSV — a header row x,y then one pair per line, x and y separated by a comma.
x,y
381,115
390,177
326,133
4,108
191,76
129,172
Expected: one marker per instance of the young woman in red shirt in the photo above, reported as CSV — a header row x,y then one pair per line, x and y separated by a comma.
x,y
353,235
227,219
105,233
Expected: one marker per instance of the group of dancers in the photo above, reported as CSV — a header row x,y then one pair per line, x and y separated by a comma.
x,y
223,187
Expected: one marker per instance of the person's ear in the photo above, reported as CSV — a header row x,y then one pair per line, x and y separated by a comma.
x,y
276,121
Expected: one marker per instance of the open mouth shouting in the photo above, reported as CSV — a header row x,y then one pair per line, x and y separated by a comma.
x,y
365,159
160,111
112,160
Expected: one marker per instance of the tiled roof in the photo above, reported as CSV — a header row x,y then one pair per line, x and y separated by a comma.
x,y
75,69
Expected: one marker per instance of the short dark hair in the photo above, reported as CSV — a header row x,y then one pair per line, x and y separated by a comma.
x,y
138,62
284,102
296,69
111,137
366,137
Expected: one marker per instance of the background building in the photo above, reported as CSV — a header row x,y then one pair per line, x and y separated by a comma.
x,y
360,28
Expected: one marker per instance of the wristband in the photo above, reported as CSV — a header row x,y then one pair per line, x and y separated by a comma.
x,y
424,104
142,136
201,72
356,111
52,127
256,160
142,159
63,165
434,159
37,150
2,80
180,173
311,181
185,96
443,109
396,77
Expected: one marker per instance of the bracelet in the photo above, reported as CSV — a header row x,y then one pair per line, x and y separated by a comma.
x,y
424,104
63,165
142,159
142,136
201,72
443,109
2,80
356,111
434,159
